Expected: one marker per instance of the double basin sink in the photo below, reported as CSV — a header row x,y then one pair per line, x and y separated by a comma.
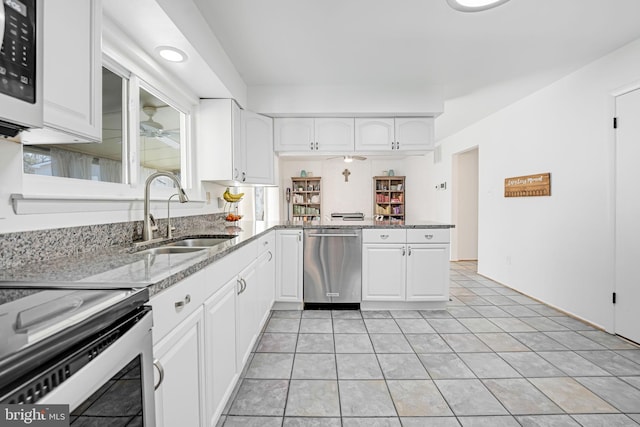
x,y
187,245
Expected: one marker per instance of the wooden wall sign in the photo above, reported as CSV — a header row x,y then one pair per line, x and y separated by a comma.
x,y
528,186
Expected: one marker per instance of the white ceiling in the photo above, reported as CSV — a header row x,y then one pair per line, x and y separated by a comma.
x,y
480,61
387,42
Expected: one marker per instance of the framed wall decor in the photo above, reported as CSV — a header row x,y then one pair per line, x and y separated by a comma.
x,y
528,185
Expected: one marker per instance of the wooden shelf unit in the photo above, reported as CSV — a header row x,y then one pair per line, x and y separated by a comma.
x,y
306,198
388,197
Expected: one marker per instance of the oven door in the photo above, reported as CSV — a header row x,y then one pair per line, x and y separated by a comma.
x,y
116,387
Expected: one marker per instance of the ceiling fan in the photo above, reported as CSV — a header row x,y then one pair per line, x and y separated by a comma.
x,y
348,159
152,129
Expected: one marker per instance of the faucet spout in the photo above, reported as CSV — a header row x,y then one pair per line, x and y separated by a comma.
x,y
147,230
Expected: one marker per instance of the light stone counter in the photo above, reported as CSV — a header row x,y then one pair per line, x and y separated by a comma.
x,y
126,266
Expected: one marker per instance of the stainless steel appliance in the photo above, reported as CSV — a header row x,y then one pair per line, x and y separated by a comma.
x,y
347,216
332,265
89,349
20,65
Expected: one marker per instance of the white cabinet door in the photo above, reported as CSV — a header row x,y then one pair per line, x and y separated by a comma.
x,y
414,133
257,149
334,135
383,272
374,134
266,272
293,134
219,148
72,69
220,349
289,265
427,272
179,398
247,312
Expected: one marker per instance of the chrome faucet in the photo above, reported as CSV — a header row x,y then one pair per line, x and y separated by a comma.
x,y
147,228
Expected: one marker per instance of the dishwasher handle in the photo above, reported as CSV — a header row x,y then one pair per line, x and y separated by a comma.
x,y
332,235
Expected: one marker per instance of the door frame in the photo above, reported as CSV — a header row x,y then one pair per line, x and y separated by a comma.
x,y
613,167
455,235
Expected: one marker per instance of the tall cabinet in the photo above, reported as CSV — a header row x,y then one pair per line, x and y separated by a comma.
x,y
388,197
305,198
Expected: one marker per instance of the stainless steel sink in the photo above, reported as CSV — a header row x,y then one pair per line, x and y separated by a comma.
x,y
162,250
201,242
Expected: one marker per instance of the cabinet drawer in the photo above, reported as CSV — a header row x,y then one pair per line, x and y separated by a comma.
x,y
173,305
267,243
428,235
384,235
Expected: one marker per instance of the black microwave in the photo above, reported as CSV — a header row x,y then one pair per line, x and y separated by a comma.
x,y
20,76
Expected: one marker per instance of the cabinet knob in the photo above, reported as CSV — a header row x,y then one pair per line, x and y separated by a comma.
x,y
403,251
311,145
316,145
244,176
384,236
409,250
428,236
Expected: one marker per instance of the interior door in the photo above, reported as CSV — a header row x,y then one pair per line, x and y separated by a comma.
x,y
627,285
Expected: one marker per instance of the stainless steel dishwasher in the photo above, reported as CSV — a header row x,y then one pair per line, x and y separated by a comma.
x,y
332,266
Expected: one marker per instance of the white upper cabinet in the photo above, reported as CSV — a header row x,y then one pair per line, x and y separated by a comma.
x,y
374,134
414,133
334,134
293,134
72,73
257,146
314,135
399,134
234,146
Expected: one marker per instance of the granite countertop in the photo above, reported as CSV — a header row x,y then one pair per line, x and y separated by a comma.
x,y
124,265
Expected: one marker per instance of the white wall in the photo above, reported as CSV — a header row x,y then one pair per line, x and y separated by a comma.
x,y
353,196
558,249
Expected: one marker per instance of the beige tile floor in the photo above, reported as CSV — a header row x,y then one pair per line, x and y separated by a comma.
x,y
493,358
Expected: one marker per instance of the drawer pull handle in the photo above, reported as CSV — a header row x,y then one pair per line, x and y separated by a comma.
x,y
180,304
239,282
160,369
403,251
270,256
428,236
384,236
409,250
265,243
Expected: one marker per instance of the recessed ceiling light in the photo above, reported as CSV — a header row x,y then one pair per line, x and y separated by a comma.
x,y
171,54
474,5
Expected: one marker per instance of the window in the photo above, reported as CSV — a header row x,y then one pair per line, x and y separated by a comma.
x,y
133,146
161,138
96,162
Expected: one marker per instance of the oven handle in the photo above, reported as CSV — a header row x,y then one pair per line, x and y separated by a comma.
x,y
160,369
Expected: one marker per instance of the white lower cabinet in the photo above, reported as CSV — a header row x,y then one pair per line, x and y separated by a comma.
x,y
179,396
289,266
247,315
220,349
204,330
402,270
427,272
383,272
